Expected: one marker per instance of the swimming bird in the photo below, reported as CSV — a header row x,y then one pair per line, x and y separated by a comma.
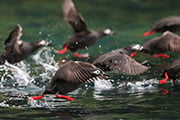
x,y
120,60
70,76
82,36
171,23
168,41
16,49
171,72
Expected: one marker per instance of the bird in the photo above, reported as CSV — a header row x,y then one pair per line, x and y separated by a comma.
x,y
120,60
171,23
70,76
16,49
171,72
168,41
82,37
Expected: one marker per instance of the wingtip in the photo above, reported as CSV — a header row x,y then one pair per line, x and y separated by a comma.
x,y
19,27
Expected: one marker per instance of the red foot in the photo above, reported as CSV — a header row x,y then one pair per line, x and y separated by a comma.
x,y
161,55
65,97
174,81
149,33
163,91
79,55
63,51
60,96
134,54
164,80
37,97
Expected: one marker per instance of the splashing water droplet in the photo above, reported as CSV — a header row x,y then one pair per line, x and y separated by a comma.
x,y
19,72
45,58
102,85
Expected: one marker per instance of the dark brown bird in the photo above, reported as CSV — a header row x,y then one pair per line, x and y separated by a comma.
x,y
70,76
168,41
16,49
171,23
119,60
82,37
172,72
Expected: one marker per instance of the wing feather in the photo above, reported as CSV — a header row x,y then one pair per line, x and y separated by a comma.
x,y
73,17
78,72
122,63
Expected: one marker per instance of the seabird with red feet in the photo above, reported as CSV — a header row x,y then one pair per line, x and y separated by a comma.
x,y
16,49
168,41
156,47
171,72
69,77
119,60
82,37
171,23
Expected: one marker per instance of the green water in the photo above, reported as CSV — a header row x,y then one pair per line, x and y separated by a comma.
x,y
130,97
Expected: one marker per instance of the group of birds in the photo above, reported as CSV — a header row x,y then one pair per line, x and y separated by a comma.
x,y
74,73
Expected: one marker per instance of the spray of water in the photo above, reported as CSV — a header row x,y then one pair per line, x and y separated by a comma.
x,y
46,59
18,73
100,85
142,86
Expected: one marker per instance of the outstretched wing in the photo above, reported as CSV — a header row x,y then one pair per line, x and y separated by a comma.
x,y
169,41
79,72
122,63
13,41
71,75
73,17
167,22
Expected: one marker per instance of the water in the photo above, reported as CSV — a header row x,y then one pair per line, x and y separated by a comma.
x,y
120,98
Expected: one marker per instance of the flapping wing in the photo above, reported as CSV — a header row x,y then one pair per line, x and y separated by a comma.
x,y
73,17
167,22
80,72
14,37
169,42
123,64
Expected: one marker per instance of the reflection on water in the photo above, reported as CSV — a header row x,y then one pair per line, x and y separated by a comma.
x,y
119,98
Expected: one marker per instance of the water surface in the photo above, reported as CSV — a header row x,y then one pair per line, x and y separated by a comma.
x,y
119,98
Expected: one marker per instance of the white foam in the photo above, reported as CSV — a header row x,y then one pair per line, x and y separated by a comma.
x,y
20,73
142,86
100,85
45,58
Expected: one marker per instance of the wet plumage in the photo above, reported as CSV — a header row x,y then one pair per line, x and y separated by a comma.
x,y
168,41
71,75
173,70
167,24
119,60
171,23
82,37
16,49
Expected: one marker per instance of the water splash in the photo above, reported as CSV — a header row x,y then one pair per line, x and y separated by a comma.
x,y
100,85
142,86
18,74
37,103
46,59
